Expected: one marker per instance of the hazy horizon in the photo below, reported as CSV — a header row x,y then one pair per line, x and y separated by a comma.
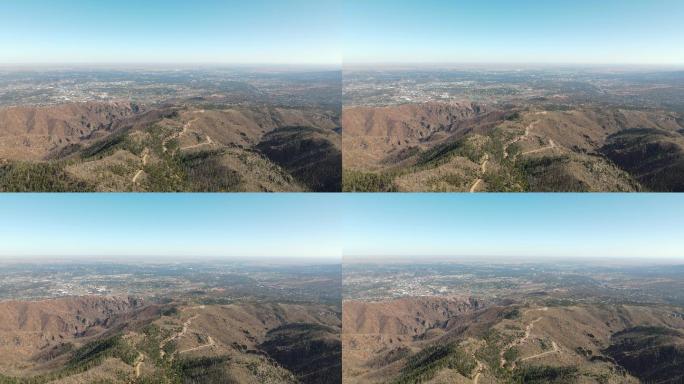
x,y
170,66
509,260
510,66
164,260
454,65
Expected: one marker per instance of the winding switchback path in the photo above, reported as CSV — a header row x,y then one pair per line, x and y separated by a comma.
x,y
184,330
524,136
550,146
178,134
145,158
483,170
555,349
210,343
138,364
526,336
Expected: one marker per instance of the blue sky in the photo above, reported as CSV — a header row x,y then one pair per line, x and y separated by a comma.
x,y
170,31
325,226
121,226
511,226
330,31
520,31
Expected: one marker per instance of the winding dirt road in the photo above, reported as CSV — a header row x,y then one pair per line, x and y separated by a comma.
x,y
145,158
483,170
186,126
479,369
184,330
524,136
507,146
528,129
208,142
550,146
138,364
527,134
528,332
555,349
210,343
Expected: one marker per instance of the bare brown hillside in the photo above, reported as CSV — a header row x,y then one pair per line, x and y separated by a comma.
x,y
122,147
474,148
406,316
246,125
303,340
411,121
62,316
433,340
372,135
378,337
30,332
122,340
29,133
